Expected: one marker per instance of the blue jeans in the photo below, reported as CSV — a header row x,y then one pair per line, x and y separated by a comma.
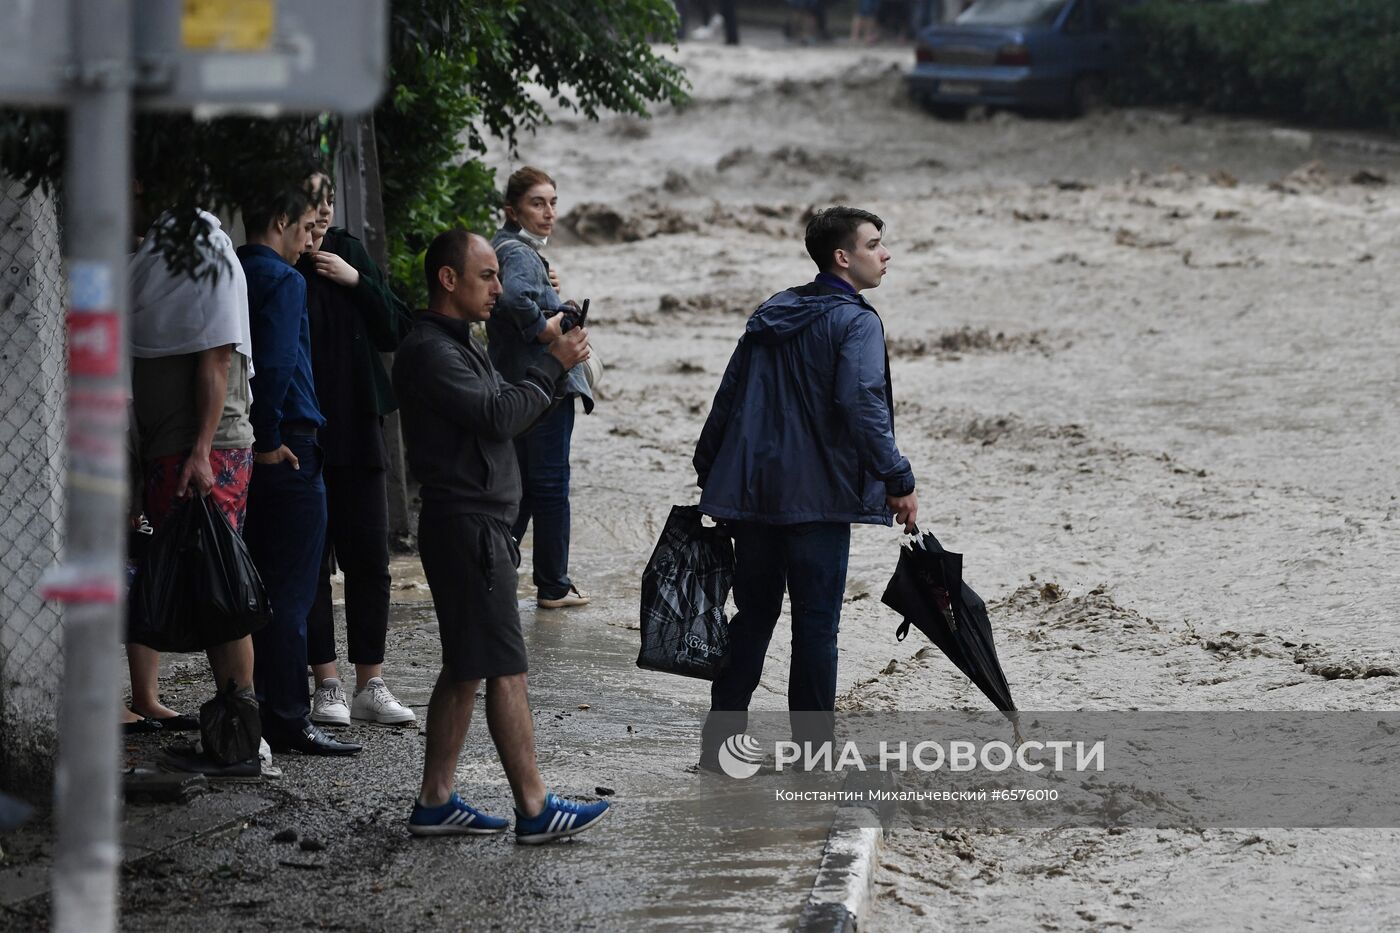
x,y
808,561
286,534
543,454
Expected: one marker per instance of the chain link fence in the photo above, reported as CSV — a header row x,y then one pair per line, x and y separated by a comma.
x,y
32,399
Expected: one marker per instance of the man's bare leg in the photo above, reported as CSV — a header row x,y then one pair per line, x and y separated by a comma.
x,y
513,731
233,660
449,715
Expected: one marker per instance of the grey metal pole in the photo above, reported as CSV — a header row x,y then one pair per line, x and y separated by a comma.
x,y
96,200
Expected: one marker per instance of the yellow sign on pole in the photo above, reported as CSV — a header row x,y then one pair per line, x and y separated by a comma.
x,y
228,25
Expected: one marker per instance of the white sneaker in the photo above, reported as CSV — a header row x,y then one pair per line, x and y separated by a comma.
x,y
375,703
328,705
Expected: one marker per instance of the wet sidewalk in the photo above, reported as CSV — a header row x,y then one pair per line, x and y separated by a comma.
x,y
603,727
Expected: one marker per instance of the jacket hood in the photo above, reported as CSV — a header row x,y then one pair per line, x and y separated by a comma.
x,y
787,314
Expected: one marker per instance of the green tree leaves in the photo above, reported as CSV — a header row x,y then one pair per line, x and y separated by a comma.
x,y
463,71
460,71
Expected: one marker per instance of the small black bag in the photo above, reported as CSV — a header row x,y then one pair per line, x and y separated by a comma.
x,y
197,586
684,589
230,728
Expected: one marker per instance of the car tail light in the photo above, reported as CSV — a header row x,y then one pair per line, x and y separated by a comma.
x,y
1014,54
923,54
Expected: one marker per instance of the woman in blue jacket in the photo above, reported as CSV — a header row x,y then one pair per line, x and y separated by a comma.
x,y
526,318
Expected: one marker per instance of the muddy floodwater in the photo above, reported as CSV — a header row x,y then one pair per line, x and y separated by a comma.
x,y
1146,368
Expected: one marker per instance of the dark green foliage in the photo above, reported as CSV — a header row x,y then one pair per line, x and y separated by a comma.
x,y
1334,62
421,126
460,72
220,166
180,163
31,146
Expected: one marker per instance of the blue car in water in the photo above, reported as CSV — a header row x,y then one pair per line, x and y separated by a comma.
x,y
1049,55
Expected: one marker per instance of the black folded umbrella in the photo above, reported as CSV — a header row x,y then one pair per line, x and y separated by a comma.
x,y
928,590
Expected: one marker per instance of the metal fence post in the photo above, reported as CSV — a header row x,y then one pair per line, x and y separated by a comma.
x,y
97,193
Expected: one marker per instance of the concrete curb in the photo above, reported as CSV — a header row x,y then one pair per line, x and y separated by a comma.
x,y
842,890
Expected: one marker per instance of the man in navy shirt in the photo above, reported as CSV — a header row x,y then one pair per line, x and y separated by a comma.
x,y
799,444
286,524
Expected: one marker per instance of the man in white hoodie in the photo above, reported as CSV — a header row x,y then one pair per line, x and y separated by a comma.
x,y
190,398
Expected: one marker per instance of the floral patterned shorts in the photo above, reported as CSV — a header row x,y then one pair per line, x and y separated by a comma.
x,y
232,471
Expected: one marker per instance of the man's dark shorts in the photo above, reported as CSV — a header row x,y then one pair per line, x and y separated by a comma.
x,y
470,562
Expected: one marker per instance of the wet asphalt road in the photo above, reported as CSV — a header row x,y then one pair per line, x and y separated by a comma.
x,y
660,861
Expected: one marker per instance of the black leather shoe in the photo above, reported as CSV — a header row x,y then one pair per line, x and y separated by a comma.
x,y
141,727
180,723
310,740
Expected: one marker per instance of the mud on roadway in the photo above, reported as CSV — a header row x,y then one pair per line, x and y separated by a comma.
x,y
1145,366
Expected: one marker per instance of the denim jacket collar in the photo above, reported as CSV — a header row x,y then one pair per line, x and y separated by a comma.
x,y
525,236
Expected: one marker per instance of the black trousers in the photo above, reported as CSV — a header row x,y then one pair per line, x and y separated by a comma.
x,y
809,562
357,541
731,22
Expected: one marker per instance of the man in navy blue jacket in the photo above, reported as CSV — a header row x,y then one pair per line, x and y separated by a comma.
x,y
286,524
800,444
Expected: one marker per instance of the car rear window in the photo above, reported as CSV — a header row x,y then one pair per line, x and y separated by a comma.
x,y
1012,12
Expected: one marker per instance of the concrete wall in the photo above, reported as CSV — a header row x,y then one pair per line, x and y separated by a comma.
x,y
32,392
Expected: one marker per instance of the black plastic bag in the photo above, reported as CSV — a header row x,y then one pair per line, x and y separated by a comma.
x,y
230,728
197,586
684,589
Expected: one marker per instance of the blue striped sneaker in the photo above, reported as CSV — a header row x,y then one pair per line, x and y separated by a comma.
x,y
454,818
558,819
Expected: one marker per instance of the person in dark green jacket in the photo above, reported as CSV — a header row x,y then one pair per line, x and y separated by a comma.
x,y
354,318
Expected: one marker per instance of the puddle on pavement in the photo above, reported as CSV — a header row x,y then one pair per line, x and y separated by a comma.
x,y
681,863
